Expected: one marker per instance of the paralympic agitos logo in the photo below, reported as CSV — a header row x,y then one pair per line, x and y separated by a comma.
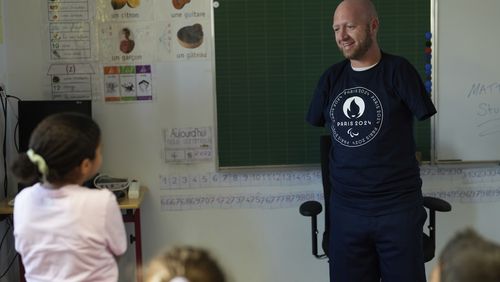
x,y
357,117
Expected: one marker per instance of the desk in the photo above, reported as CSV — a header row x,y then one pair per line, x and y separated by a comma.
x,y
132,208
131,213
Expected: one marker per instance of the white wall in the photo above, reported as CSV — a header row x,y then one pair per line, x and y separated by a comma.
x,y
253,245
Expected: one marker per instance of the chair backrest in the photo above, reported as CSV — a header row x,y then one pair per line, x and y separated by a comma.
x,y
313,208
431,203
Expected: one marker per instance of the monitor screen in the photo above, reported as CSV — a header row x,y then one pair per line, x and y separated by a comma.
x,y
31,112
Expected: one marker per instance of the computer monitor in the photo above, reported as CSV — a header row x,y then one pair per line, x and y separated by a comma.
x,y
31,112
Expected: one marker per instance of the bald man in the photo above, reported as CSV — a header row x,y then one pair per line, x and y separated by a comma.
x,y
368,102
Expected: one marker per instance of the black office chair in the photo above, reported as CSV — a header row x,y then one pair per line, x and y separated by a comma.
x,y
313,208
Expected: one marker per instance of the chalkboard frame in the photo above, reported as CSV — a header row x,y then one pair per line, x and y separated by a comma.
x,y
462,66
229,137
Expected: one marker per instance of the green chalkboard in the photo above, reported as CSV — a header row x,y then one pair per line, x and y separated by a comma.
x,y
269,56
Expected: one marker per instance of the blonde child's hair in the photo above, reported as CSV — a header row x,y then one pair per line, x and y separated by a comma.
x,y
184,263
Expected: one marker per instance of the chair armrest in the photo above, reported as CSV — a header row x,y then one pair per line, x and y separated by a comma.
x,y
310,208
436,204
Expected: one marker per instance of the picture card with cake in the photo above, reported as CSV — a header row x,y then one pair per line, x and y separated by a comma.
x,y
184,41
184,30
192,41
125,10
132,42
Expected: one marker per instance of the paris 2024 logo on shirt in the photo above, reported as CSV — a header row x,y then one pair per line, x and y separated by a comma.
x,y
357,117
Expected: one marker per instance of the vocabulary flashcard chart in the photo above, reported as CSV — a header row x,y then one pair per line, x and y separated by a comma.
x,y
127,42
127,83
125,10
71,81
74,10
70,41
183,29
69,30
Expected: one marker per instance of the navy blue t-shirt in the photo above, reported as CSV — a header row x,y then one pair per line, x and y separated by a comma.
x,y
370,116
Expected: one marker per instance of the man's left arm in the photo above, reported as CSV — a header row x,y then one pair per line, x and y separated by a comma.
x,y
412,91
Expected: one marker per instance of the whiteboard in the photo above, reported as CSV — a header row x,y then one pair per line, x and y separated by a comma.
x,y
466,80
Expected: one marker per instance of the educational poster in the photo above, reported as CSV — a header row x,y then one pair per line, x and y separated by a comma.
x,y
127,83
124,37
451,183
187,145
267,178
75,10
69,30
126,31
252,200
70,41
127,43
184,29
71,49
125,10
71,81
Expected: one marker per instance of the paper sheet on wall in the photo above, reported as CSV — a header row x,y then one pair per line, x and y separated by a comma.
x,y
150,31
71,49
183,30
128,83
70,31
241,179
459,184
453,184
71,81
238,200
187,145
118,33
127,42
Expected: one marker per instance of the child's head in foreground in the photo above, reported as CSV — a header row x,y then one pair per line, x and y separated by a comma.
x,y
468,257
184,264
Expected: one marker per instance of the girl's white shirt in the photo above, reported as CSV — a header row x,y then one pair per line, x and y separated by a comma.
x,y
68,234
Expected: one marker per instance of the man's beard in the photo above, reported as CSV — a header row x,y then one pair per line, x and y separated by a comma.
x,y
361,49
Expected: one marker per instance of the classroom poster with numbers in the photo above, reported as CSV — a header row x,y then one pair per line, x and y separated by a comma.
x,y
71,50
71,81
451,183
